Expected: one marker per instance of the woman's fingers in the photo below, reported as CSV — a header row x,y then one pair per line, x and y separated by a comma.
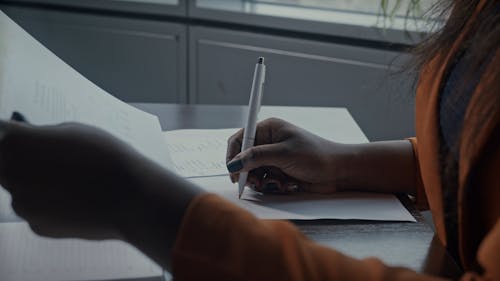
x,y
270,180
18,117
11,151
6,126
258,156
234,145
254,179
266,133
258,178
273,181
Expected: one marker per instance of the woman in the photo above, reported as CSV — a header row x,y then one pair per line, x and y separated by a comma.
x,y
452,165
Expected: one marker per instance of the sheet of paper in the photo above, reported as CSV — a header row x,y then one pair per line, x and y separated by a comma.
x,y
302,206
46,90
332,123
28,257
7,214
198,153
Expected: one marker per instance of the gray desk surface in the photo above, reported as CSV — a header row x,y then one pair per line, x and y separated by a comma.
x,y
412,245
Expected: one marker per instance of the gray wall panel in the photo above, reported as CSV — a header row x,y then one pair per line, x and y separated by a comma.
x,y
303,72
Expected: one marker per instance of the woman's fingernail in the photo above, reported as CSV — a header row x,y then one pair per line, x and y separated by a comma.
x,y
271,187
234,166
16,116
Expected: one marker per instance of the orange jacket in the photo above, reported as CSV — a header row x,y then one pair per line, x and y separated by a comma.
x,y
219,241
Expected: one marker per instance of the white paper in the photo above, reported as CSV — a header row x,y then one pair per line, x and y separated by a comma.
x,y
25,256
46,90
197,153
304,206
331,123
7,214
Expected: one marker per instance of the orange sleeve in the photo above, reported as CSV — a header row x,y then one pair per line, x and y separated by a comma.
x,y
488,254
220,241
420,196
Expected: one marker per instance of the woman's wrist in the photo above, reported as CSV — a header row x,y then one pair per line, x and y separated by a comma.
x,y
151,217
386,166
342,165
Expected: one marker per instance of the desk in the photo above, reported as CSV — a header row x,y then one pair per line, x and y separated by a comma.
x,y
412,245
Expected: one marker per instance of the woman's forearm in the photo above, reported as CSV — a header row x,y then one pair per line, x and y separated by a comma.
x,y
385,166
152,219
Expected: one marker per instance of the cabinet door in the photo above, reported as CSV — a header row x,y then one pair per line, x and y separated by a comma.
x,y
135,60
302,72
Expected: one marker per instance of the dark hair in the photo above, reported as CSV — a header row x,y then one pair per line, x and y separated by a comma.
x,y
484,32
480,50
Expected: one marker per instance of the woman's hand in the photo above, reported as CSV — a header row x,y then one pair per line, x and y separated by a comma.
x,y
285,157
73,180
66,180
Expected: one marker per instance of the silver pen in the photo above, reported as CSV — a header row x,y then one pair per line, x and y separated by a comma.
x,y
259,78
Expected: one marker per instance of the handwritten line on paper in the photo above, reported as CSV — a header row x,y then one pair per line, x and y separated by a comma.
x,y
198,153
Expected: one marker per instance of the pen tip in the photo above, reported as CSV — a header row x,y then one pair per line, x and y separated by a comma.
x,y
261,60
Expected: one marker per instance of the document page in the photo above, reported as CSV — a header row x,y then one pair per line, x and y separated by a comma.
x,y
331,123
46,90
25,256
198,153
7,214
305,206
